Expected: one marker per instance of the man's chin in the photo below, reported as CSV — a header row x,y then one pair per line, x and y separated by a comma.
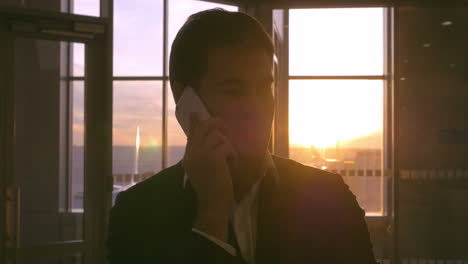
x,y
251,149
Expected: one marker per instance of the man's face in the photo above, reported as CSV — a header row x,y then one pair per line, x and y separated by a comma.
x,y
237,87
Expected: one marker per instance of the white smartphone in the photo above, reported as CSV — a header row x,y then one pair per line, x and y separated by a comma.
x,y
189,103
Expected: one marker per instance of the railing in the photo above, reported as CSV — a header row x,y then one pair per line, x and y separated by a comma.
x,y
130,178
434,174
425,174
358,172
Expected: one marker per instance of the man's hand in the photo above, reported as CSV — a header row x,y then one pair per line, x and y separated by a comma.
x,y
206,164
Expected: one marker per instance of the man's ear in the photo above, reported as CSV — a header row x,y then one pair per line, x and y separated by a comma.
x,y
177,90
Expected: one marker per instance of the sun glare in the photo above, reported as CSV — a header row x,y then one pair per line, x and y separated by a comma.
x,y
324,113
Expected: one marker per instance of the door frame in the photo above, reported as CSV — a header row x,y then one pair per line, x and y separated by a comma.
x,y
96,34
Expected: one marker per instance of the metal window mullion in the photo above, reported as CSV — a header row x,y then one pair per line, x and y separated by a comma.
x,y
395,138
388,149
68,132
386,159
70,4
388,126
283,101
164,86
98,145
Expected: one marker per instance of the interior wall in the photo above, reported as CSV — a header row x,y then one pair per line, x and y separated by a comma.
x,y
433,88
432,147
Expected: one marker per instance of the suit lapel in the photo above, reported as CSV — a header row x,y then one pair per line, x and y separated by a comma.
x,y
190,204
185,197
269,223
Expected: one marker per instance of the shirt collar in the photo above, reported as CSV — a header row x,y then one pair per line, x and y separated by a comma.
x,y
270,170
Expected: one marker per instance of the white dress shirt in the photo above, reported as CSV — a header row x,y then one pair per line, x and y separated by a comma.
x,y
244,217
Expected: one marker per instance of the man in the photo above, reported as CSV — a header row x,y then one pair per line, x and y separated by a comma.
x,y
229,200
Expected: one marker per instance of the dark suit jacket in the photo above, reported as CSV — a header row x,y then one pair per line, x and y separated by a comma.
x,y
309,217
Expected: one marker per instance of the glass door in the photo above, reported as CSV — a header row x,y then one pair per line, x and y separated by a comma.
x,y
48,206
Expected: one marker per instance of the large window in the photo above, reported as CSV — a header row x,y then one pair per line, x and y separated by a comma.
x,y
336,96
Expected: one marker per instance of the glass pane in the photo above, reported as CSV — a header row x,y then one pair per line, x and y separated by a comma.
x,y
77,176
44,157
138,34
137,132
180,10
175,136
78,54
337,125
86,7
345,41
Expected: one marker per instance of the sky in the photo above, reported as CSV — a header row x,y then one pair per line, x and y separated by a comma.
x,y
322,42
336,41
322,112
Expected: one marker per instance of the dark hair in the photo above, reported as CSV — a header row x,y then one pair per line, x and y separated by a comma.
x,y
211,29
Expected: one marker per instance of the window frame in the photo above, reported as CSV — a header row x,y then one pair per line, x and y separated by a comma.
x,y
386,77
62,27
